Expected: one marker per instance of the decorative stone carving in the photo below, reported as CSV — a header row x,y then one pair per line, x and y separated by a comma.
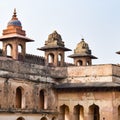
x,y
54,39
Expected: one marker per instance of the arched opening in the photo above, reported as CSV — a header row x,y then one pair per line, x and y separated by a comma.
x,y
43,118
20,48
59,59
79,63
88,63
51,59
94,112
54,118
78,112
9,50
20,100
20,118
119,112
41,99
64,112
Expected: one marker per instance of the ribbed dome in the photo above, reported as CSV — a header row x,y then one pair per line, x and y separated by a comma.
x,y
14,23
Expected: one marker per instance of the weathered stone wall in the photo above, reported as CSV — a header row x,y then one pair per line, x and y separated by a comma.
x,y
32,78
15,69
31,92
75,74
9,116
108,103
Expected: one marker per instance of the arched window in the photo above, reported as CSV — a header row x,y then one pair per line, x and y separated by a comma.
x,y
88,63
51,58
20,118
19,48
94,112
54,118
79,63
59,59
64,112
20,100
43,118
42,99
9,50
78,112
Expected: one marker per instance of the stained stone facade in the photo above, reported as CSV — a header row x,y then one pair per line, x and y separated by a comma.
x,y
47,88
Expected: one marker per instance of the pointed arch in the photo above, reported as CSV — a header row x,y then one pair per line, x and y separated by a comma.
x,y
20,118
78,112
20,48
94,112
54,118
59,59
42,99
88,62
119,112
20,99
43,118
79,63
51,58
20,52
64,112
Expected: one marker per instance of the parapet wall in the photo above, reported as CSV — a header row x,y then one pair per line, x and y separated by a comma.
x,y
22,70
95,73
83,71
10,68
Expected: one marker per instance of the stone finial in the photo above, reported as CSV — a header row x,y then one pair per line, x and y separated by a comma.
x,y
14,17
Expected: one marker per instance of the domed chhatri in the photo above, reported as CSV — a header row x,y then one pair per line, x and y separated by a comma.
x,y
82,48
14,26
14,37
82,54
14,21
54,50
54,39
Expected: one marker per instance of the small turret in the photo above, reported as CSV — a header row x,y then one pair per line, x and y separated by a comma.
x,y
54,50
82,54
14,39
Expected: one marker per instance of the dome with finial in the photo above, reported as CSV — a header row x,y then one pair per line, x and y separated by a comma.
x,y
14,21
82,47
82,50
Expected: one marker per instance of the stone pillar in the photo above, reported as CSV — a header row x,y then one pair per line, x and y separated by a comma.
x,y
86,113
71,111
56,59
15,52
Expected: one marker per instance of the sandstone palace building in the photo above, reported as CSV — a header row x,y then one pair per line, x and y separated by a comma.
x,y
47,88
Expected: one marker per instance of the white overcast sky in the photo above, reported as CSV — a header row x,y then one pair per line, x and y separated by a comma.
x,y
97,21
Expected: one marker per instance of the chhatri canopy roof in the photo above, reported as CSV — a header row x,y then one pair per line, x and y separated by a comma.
x,y
82,50
54,42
